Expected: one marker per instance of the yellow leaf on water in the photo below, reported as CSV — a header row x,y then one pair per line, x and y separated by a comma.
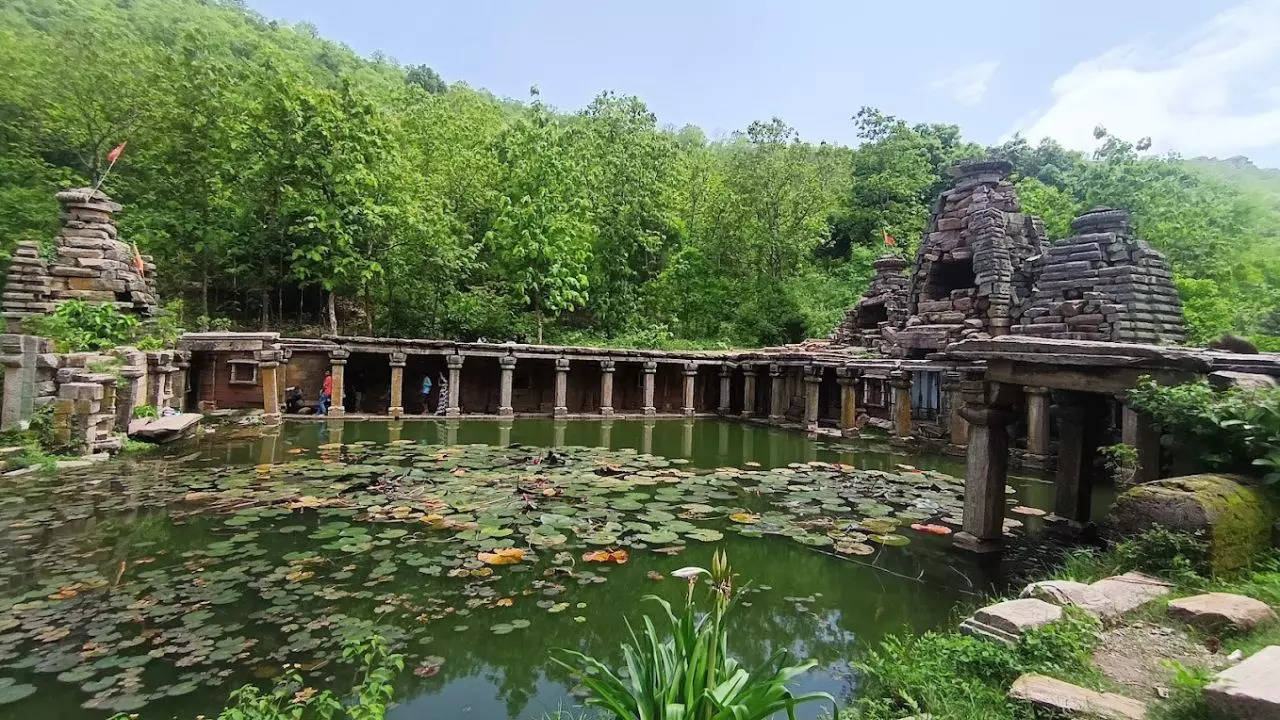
x,y
745,518
502,556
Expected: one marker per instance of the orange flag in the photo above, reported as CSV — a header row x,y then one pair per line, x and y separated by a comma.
x,y
888,239
115,153
137,259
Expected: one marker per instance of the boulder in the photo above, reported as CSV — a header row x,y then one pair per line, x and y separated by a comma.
x,y
1233,516
1007,621
1073,700
1248,691
164,429
1217,612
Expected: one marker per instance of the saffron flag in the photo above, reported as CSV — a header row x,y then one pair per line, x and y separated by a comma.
x,y
115,153
888,239
137,259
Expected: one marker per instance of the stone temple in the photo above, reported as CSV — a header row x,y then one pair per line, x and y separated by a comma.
x,y
985,269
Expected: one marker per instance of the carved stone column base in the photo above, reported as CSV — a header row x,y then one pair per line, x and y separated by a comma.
x,y
972,543
396,412
606,411
506,411
688,411
649,411
559,412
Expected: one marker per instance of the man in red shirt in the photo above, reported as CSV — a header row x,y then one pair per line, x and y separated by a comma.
x,y
326,394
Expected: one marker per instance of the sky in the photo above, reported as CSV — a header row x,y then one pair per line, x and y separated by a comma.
x,y
1199,78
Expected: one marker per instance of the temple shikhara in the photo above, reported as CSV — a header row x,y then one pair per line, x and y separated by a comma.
x,y
994,342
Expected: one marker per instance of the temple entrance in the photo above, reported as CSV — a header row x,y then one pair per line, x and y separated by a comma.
x,y
948,275
870,316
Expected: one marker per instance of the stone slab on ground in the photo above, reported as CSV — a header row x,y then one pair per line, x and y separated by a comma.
x,y
82,462
1105,599
1007,621
1046,692
1250,690
164,429
1222,612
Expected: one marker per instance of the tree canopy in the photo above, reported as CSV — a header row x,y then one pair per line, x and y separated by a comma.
x,y
281,180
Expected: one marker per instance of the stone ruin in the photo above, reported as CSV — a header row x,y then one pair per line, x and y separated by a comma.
x,y
965,282
89,263
883,307
1103,284
984,268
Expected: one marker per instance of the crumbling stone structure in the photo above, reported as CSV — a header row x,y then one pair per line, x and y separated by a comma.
x,y
1103,284
883,307
90,263
964,283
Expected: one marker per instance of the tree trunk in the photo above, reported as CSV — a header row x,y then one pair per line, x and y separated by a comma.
x,y
204,291
538,314
333,315
266,309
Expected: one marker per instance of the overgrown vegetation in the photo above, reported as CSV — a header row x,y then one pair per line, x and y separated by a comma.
x,y
691,675
1236,429
77,326
419,208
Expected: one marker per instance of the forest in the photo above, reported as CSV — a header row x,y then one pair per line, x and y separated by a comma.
x,y
282,181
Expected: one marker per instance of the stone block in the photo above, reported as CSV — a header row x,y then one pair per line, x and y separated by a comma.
x,y
1069,592
1235,517
1218,612
1130,591
1015,617
1248,691
1074,701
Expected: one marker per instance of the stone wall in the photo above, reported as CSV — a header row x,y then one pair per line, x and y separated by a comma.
x,y
89,263
964,282
1103,284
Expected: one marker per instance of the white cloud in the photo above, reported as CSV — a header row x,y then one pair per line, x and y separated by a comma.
x,y
1209,93
967,85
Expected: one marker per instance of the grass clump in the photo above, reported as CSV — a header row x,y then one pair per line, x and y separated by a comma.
x,y
950,675
1179,557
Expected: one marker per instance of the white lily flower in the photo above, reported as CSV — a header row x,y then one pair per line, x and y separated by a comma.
x,y
689,573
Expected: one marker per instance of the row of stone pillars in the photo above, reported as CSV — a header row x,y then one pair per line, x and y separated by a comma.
x,y
989,409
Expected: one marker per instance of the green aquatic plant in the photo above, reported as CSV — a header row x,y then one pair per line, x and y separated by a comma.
x,y
690,675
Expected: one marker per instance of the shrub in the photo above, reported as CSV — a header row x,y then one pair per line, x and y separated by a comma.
x,y
145,411
1234,429
76,326
1178,556
690,676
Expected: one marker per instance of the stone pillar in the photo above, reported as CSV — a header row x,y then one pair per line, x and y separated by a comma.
x,y
726,385
606,388
130,381
776,387
282,375
268,363
397,360
900,381
454,408
957,427
181,360
1037,420
748,390
19,381
337,369
506,379
1079,418
1138,431
812,384
562,388
686,439
690,373
985,474
650,370
847,377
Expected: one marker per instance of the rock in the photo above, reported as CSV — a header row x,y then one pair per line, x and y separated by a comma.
x,y
1130,591
1223,379
1069,592
1222,612
1248,691
167,428
1234,516
1007,621
1063,697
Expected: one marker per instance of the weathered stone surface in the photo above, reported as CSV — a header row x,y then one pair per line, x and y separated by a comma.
x,y
1234,516
1222,612
1073,700
167,428
1130,591
1250,690
1007,621
1069,592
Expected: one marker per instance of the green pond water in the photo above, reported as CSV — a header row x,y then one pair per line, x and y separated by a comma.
x,y
157,584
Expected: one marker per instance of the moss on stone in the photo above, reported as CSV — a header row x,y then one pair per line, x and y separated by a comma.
x,y
1235,517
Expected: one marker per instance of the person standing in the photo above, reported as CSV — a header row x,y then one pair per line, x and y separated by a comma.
x,y
326,393
426,393
442,400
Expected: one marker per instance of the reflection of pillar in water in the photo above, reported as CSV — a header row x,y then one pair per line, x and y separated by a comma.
x,y
775,451
810,450
267,448
686,439
606,433
724,439
335,430
394,428
557,432
504,432
451,431
646,437
748,440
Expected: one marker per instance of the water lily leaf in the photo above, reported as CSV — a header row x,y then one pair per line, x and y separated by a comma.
x,y
705,535
15,692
